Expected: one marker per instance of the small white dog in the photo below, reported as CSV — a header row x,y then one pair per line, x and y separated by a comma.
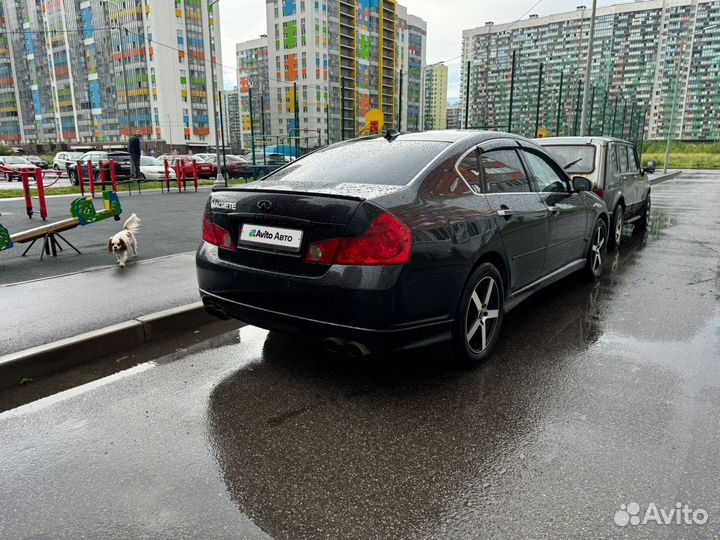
x,y
124,241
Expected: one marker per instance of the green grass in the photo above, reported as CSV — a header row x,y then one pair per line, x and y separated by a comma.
x,y
683,155
10,193
677,147
684,161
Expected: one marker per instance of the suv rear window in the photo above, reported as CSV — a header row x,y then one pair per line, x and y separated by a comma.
x,y
582,157
121,156
372,161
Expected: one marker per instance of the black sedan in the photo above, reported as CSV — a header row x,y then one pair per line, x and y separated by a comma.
x,y
399,241
37,161
122,166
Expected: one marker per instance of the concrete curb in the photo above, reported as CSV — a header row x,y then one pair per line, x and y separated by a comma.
x,y
665,177
68,352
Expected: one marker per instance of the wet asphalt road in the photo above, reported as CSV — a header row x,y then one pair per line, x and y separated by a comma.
x,y
598,395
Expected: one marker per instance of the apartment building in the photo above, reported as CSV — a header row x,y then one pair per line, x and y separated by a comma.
x,y
89,73
253,81
231,118
656,64
343,58
411,46
435,99
453,116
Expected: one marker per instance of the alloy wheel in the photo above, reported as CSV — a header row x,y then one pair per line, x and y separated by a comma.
x,y
597,249
482,314
619,223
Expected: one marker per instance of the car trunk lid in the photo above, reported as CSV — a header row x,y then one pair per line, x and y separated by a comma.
x,y
271,228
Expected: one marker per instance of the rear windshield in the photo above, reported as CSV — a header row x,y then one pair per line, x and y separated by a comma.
x,y
372,161
119,157
573,158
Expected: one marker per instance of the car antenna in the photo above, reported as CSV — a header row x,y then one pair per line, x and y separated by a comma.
x,y
391,135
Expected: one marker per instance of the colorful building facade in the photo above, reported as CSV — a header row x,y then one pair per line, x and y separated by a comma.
x,y
68,67
342,58
252,65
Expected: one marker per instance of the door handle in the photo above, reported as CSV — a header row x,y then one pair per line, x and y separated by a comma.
x,y
505,212
554,210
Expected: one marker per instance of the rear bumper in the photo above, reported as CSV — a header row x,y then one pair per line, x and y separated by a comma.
x,y
353,303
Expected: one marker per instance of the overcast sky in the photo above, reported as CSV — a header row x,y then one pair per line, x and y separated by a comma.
x,y
446,19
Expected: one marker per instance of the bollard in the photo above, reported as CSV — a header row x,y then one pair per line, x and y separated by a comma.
x,y
113,175
195,175
26,190
78,173
178,174
91,178
167,176
102,175
41,193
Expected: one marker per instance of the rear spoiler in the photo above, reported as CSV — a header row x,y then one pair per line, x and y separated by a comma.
x,y
289,192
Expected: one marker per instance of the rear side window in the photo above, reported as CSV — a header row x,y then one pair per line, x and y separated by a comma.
x,y
613,162
372,161
503,172
633,164
623,158
469,169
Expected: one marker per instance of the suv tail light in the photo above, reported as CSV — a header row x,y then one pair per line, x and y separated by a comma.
x,y
216,235
387,241
599,192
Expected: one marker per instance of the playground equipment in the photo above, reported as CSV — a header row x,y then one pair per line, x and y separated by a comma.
x,y
181,175
83,212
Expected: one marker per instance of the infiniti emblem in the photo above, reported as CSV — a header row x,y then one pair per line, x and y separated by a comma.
x,y
264,205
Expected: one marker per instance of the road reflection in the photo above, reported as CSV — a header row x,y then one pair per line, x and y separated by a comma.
x,y
313,445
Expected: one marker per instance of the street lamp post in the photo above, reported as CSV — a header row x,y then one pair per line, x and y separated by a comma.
x,y
219,179
674,100
122,63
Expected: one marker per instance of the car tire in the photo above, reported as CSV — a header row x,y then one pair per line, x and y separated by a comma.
x,y
142,177
645,217
479,316
73,178
56,167
617,222
596,251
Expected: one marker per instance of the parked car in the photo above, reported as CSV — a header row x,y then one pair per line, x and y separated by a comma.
x,y
63,159
12,167
613,167
264,164
154,169
399,241
204,170
37,161
234,165
122,167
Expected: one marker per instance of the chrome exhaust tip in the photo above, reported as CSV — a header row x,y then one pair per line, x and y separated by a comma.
x,y
357,349
216,311
334,345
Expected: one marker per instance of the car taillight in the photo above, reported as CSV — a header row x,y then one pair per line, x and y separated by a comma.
x,y
216,235
387,241
599,192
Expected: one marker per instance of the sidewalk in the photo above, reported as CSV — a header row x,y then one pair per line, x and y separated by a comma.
x,y
45,310
661,176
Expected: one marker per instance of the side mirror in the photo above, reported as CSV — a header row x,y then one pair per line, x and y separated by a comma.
x,y
650,167
580,183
